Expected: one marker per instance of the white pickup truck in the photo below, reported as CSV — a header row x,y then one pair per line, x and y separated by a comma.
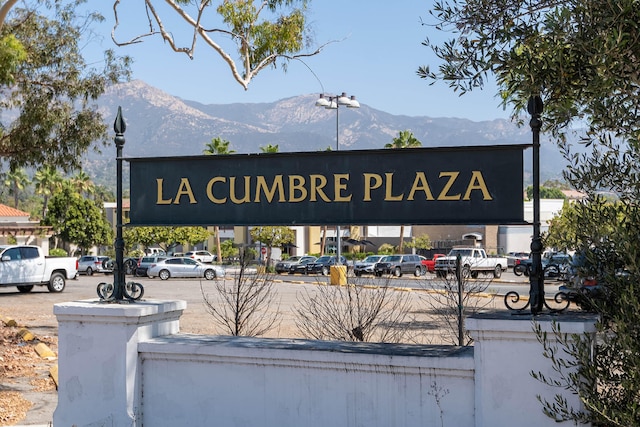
x,y
26,267
472,262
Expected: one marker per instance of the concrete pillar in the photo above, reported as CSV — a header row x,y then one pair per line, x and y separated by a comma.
x,y
98,366
506,351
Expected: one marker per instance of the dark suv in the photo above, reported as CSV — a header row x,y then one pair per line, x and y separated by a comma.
x,y
399,265
323,264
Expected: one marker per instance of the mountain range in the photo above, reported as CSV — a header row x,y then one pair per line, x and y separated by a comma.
x,y
159,124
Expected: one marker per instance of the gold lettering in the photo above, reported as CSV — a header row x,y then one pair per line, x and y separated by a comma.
x,y
477,183
270,192
160,200
318,182
184,190
371,182
420,184
210,190
340,186
247,190
296,183
388,197
452,178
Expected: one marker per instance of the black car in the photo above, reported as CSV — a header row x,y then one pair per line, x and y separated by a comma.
x,y
301,265
286,265
323,264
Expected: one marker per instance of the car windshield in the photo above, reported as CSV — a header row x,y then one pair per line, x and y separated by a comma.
x,y
462,252
293,259
372,258
325,258
394,258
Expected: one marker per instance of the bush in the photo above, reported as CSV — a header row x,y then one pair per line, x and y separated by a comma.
x,y
58,252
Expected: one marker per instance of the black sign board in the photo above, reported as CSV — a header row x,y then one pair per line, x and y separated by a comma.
x,y
462,185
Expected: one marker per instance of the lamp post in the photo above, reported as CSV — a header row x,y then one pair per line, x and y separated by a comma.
x,y
119,290
119,126
334,103
536,277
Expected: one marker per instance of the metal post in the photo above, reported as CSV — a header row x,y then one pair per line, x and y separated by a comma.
x,y
338,241
119,127
536,278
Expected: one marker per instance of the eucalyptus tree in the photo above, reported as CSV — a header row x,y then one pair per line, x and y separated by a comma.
x,y
582,58
405,139
52,89
261,32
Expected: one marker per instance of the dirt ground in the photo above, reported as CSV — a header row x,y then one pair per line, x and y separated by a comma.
x,y
22,372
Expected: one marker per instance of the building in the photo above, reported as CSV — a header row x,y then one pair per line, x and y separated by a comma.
x,y
17,228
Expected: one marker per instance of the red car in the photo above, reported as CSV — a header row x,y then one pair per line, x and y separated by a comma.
x,y
430,264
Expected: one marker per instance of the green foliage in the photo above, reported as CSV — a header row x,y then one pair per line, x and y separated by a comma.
x,y
582,58
386,249
11,54
270,148
405,139
165,237
53,89
217,146
58,252
75,219
420,242
546,193
228,250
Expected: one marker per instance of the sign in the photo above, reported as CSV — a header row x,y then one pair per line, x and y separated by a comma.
x,y
263,250
458,185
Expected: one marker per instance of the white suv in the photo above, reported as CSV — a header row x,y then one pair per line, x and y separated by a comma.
x,y
202,256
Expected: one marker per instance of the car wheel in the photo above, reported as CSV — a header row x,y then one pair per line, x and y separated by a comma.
x,y
357,273
164,274
418,272
25,289
325,271
474,274
209,274
519,269
89,271
497,272
56,283
397,272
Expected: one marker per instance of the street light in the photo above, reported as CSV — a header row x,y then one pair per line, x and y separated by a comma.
x,y
333,103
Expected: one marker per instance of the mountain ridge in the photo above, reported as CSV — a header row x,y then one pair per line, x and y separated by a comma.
x,y
159,124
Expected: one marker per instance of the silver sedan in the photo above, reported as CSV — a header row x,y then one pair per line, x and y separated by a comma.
x,y
184,267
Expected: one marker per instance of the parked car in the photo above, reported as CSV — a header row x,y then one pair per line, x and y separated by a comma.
x,y
89,264
399,265
323,264
285,265
514,258
202,256
366,265
184,267
145,262
430,264
301,267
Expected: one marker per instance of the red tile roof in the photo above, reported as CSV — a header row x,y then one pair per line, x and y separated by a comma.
x,y
9,211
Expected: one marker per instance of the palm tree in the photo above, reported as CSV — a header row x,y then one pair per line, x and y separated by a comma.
x,y
16,180
47,181
405,139
81,181
270,148
215,147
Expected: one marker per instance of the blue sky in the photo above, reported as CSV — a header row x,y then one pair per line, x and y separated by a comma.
x,y
375,58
